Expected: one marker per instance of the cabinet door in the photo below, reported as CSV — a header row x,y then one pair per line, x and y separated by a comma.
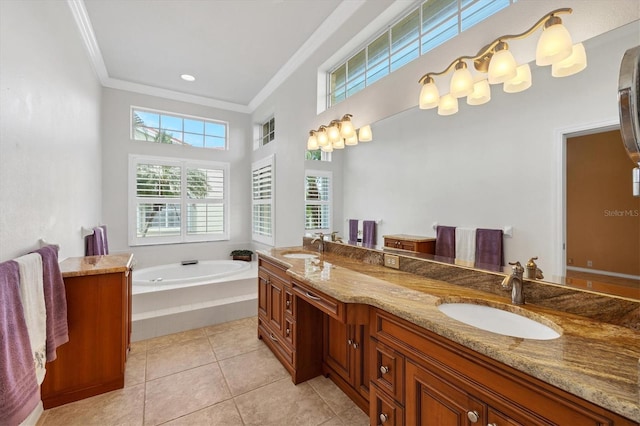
x,y
432,401
360,348
337,349
275,309
263,294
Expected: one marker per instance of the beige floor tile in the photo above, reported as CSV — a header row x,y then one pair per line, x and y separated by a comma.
x,y
337,400
135,369
173,339
232,325
178,357
252,370
283,403
138,347
222,414
235,342
334,421
119,407
173,396
354,417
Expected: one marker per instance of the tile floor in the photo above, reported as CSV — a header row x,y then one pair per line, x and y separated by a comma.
x,y
218,375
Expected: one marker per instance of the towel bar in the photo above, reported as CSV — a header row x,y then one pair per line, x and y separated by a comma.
x,y
507,231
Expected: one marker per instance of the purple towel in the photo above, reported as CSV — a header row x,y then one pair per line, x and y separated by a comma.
x,y
96,244
368,232
55,300
489,251
446,241
353,230
19,391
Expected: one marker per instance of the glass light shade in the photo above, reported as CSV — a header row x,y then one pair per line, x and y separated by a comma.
x,y
448,105
346,129
521,82
429,96
575,63
327,148
502,67
353,140
364,134
312,143
461,82
339,144
323,140
554,45
333,133
481,93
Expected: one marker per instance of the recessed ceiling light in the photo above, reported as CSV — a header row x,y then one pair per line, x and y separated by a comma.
x,y
187,77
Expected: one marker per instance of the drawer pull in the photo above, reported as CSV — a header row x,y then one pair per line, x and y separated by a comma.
x,y
383,418
384,369
312,297
272,337
492,424
473,416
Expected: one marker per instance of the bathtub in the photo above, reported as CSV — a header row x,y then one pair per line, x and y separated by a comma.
x,y
172,298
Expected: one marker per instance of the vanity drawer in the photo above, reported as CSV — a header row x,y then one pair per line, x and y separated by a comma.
x,y
289,331
388,370
324,303
277,343
384,410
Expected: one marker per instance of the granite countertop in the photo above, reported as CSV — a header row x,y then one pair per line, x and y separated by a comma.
x,y
94,265
594,360
412,238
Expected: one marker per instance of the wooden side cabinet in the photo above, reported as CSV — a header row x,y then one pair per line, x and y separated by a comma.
x,y
98,290
410,243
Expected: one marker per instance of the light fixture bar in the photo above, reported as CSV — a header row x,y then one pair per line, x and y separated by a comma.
x,y
337,134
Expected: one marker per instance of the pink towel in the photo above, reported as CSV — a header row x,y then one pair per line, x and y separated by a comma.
x,y
55,300
446,241
19,391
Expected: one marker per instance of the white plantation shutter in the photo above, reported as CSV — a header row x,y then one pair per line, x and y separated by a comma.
x,y
262,185
174,201
317,191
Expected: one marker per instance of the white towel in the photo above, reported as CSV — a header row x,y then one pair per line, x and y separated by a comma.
x,y
35,312
465,246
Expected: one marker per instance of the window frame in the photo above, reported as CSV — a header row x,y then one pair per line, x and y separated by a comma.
x,y
204,120
259,164
272,131
329,202
183,200
371,70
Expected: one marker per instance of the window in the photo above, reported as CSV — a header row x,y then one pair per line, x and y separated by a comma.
x,y
174,129
317,199
317,155
421,30
177,201
262,189
268,132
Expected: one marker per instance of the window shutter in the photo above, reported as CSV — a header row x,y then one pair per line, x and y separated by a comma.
x,y
317,201
262,201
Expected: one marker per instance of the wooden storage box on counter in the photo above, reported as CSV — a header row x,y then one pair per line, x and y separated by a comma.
x,y
98,291
411,243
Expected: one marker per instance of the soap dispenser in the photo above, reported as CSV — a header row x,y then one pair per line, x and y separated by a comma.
x,y
533,272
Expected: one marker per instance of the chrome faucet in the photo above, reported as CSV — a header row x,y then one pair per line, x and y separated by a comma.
x,y
514,283
319,237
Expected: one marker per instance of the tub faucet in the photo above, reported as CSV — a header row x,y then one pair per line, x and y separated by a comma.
x,y
514,283
319,237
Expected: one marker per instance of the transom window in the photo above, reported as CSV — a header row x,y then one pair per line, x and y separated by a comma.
x,y
268,132
174,201
424,28
318,200
169,128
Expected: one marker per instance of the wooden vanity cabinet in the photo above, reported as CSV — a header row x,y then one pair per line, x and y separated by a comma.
x,y
447,384
98,292
411,243
299,350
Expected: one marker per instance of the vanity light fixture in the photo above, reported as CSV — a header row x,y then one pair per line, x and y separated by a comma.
x,y
337,135
496,65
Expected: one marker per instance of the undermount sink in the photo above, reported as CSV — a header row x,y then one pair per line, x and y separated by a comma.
x,y
498,321
300,255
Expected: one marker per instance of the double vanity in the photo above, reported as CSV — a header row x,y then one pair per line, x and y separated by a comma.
x,y
436,344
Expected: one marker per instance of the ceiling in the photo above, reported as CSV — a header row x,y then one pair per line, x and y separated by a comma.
x,y
234,48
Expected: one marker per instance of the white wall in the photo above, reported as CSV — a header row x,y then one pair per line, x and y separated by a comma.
x,y
50,169
116,147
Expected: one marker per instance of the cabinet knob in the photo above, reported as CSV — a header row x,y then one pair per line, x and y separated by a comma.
x,y
288,331
355,345
383,418
350,342
473,416
384,369
288,303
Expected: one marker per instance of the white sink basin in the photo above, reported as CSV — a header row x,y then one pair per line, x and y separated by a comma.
x,y
300,256
498,321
